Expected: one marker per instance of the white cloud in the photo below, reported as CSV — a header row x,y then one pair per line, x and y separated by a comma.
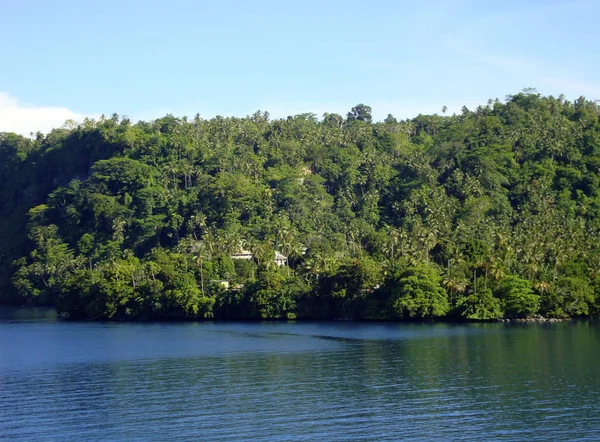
x,y
25,119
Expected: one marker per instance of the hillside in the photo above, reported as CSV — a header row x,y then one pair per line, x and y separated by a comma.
x,y
491,213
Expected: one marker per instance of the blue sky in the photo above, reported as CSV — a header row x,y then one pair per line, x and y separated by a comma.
x,y
75,58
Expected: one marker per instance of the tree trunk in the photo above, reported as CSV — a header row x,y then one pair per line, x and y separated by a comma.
x,y
201,276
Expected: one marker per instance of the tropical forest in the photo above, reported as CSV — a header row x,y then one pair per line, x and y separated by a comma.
x,y
491,213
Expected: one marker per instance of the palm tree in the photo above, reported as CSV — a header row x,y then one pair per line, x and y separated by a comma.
x,y
496,269
286,240
454,287
118,227
197,220
200,252
263,252
392,242
313,265
293,249
542,287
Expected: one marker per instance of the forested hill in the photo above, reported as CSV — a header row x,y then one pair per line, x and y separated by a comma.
x,y
491,213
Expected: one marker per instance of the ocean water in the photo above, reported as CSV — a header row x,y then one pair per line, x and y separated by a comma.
x,y
297,381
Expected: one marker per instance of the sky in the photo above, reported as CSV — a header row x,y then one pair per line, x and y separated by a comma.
x,y
72,59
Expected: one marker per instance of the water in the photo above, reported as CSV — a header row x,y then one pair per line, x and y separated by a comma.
x,y
298,381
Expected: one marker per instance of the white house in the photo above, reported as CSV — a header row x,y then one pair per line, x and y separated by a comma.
x,y
280,259
243,254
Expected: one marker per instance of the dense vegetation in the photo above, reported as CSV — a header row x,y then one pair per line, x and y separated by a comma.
x,y
491,213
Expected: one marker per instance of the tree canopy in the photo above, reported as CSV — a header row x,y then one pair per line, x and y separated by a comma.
x,y
486,214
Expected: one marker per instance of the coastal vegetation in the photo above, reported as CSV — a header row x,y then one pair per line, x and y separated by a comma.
x,y
490,213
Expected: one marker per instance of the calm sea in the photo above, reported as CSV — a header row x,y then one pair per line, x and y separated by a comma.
x,y
296,381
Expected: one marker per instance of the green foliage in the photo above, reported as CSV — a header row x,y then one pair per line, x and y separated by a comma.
x,y
417,293
518,298
267,297
570,297
368,220
480,306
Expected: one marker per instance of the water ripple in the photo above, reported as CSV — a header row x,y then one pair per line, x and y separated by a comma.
x,y
296,382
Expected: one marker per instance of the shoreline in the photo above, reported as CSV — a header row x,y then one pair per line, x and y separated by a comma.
x,y
64,318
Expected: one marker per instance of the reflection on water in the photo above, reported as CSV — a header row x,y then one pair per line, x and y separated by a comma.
x,y
27,313
305,381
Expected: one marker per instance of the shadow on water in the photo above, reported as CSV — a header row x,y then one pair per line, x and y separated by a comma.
x,y
27,313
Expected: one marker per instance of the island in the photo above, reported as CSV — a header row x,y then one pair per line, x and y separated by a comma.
x,y
492,213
